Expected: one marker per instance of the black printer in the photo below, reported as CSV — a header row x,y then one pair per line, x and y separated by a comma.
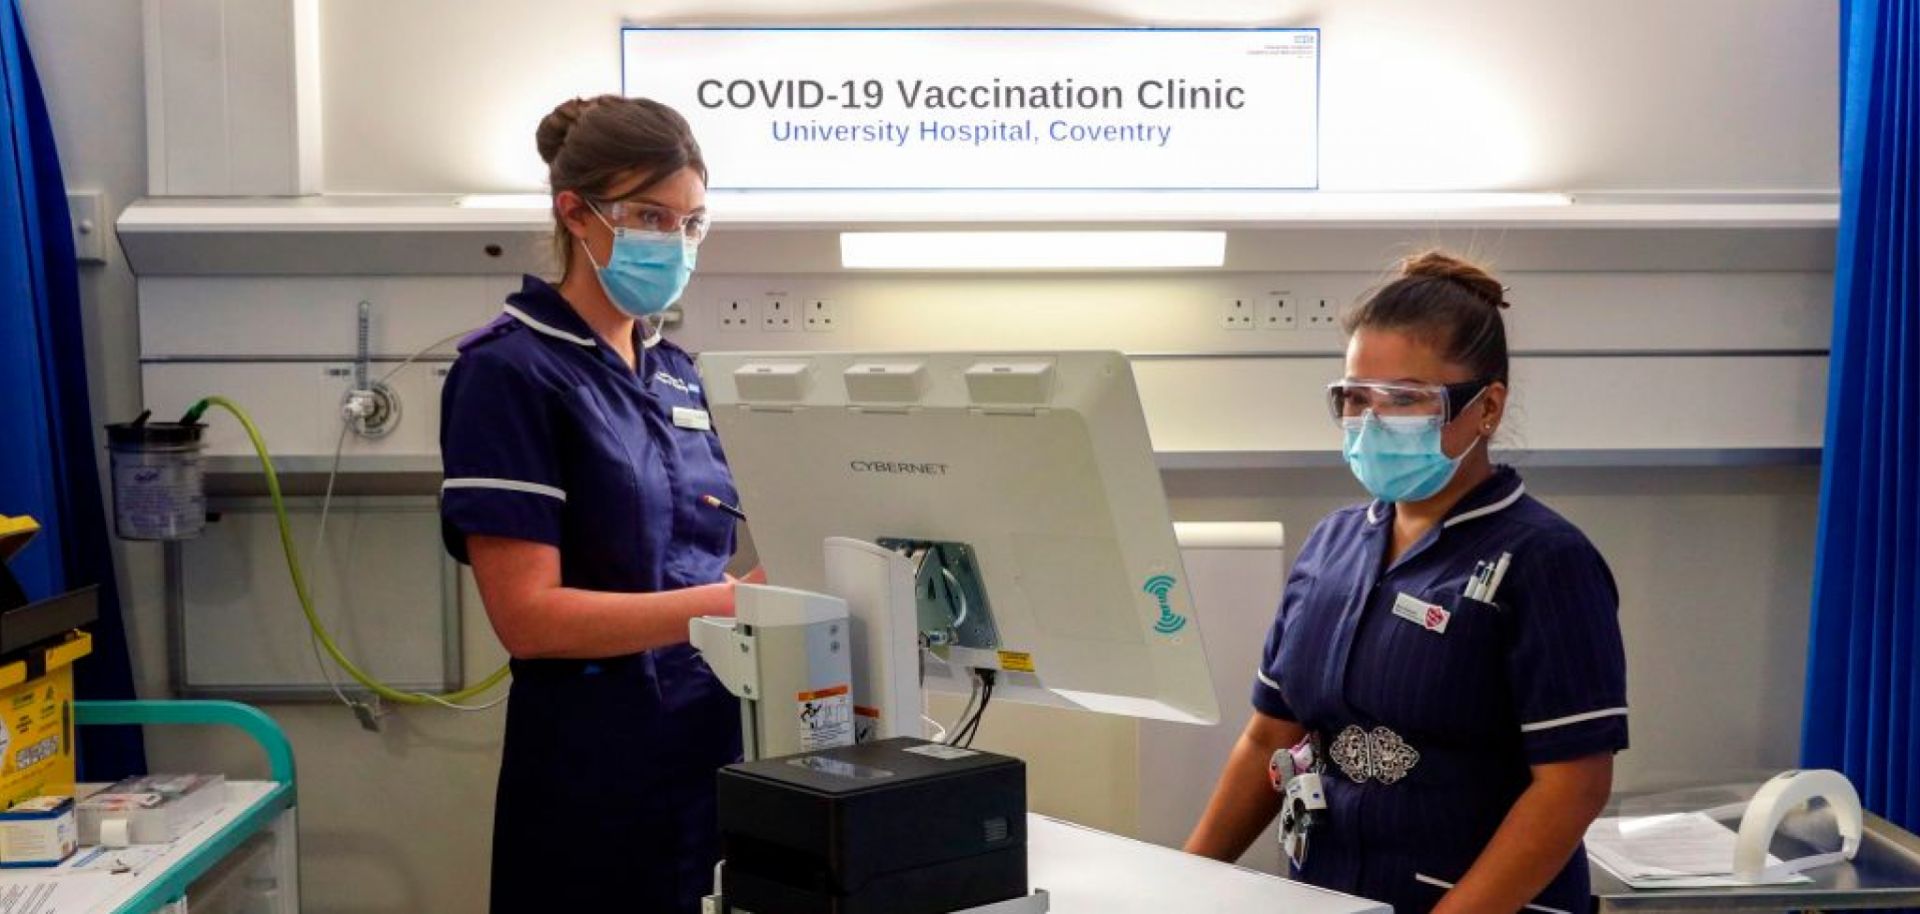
x,y
897,826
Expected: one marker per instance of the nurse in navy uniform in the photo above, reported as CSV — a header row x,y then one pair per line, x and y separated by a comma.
x,y
577,451
1446,656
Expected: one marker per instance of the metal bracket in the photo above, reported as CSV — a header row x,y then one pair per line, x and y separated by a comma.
x,y
949,593
371,408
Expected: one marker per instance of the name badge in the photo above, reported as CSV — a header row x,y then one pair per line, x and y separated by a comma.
x,y
696,419
1421,613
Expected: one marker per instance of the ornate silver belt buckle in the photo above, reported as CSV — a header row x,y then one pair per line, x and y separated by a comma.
x,y
1373,755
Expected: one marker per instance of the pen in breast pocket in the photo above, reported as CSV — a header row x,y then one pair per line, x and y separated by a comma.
x,y
1499,574
713,502
1478,580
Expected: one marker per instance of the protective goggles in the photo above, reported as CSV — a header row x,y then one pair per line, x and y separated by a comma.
x,y
652,217
1352,399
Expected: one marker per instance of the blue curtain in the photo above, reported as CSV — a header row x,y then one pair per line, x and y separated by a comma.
x,y
47,466
1863,671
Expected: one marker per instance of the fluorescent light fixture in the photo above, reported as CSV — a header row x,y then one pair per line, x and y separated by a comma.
x,y
1117,250
505,201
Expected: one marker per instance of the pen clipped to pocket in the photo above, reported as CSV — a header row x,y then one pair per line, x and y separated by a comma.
x,y
1484,586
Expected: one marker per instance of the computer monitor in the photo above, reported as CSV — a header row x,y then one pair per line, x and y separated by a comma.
x,y
1038,462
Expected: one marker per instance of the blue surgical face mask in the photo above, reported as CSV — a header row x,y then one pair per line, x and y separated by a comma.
x,y
1399,458
647,271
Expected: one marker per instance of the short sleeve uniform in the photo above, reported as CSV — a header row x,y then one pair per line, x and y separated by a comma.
x,y
1431,705
606,781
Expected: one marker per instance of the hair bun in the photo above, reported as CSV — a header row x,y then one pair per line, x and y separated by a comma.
x,y
1441,265
553,129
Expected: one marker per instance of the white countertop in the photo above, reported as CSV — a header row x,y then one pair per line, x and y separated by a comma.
x,y
1093,872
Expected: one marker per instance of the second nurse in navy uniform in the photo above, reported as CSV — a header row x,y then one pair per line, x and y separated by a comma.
x,y
1447,655
577,452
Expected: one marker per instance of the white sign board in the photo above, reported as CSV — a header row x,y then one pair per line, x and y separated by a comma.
x,y
990,108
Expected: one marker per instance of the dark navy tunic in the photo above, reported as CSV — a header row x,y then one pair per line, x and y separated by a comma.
x,y
1443,711
606,794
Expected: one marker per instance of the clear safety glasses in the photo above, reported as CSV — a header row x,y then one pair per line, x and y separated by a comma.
x,y
652,217
1352,399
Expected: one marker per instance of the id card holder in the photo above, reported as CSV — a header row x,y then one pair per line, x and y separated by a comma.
x,y
1296,775
1303,809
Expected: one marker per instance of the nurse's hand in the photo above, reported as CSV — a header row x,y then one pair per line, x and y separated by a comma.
x,y
536,616
1244,801
1540,832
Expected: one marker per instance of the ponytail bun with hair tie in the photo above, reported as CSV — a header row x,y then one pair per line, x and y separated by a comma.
x,y
551,135
1441,265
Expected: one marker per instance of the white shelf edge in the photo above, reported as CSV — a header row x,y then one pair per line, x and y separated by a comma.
x,y
800,213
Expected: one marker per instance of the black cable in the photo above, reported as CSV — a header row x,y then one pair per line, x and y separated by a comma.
x,y
966,715
986,698
971,721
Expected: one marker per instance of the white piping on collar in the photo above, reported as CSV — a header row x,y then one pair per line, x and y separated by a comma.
x,y
1500,505
1371,517
554,332
652,338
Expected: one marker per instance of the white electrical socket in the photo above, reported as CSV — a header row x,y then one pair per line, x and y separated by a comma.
x,y
1321,315
734,314
1237,314
1279,312
776,315
817,316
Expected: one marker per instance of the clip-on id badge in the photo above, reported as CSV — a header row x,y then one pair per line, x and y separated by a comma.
x,y
1295,773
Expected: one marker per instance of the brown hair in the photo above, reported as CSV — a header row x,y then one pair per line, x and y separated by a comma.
x,y
590,144
1450,303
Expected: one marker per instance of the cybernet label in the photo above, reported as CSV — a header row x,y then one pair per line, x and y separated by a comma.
x,y
899,468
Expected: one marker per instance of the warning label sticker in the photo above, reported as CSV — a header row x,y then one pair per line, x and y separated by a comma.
x,y
826,718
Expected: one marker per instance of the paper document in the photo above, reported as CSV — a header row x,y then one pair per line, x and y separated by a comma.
x,y
1684,850
43,895
116,860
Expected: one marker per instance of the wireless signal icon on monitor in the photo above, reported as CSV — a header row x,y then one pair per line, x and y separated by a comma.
x,y
1160,586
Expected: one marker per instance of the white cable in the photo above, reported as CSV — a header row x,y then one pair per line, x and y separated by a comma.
x,y
326,504
319,541
416,356
953,585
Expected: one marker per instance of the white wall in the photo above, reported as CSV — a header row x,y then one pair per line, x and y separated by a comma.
x,y
441,95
